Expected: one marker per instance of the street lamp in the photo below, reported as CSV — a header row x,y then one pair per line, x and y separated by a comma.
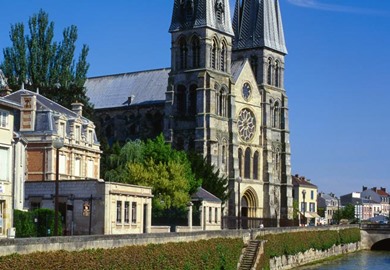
x,y
304,206
239,202
57,144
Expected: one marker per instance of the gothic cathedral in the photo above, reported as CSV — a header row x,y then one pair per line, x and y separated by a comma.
x,y
226,99
223,97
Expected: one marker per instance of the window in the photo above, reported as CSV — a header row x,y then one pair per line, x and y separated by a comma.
x,y
312,207
195,52
181,99
4,119
223,57
183,53
214,55
276,115
210,214
77,135
303,207
269,72
219,11
127,212
119,212
4,164
77,164
61,130
90,137
62,168
216,215
312,194
277,74
90,168
247,173
133,212
256,165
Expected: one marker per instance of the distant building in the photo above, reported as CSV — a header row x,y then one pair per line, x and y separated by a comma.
x,y
305,193
330,204
365,208
41,121
12,166
378,195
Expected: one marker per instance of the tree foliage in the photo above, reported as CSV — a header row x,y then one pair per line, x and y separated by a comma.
x,y
37,60
347,212
212,181
154,163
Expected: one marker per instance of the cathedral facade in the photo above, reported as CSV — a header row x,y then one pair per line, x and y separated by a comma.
x,y
223,97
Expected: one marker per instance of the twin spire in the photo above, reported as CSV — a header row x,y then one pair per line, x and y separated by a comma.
x,y
256,23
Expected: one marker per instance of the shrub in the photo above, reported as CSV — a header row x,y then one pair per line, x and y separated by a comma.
x,y
213,254
294,243
25,225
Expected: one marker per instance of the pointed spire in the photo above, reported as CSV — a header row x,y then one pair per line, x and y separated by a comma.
x,y
189,14
258,23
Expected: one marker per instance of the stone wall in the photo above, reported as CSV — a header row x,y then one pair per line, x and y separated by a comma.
x,y
292,261
76,243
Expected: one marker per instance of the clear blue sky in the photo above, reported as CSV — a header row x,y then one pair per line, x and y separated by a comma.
x,y
337,73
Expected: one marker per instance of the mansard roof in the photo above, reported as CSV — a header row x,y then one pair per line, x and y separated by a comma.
x,y
203,15
47,111
137,88
258,23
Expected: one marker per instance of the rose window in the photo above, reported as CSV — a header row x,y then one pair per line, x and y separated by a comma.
x,y
246,124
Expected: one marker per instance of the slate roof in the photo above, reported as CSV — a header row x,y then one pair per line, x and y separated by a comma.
x,y
204,195
46,112
144,87
258,23
203,16
9,103
237,67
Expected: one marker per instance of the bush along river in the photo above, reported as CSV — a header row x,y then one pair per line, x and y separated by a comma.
x,y
373,260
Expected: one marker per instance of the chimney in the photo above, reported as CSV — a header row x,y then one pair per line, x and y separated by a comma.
x,y
364,188
383,189
77,107
28,112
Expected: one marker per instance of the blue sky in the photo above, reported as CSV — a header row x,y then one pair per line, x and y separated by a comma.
x,y
337,73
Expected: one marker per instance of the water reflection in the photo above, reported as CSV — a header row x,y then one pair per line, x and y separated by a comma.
x,y
373,260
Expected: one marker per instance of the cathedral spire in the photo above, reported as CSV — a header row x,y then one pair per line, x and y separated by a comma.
x,y
189,14
258,23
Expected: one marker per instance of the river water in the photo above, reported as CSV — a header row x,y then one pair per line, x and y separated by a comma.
x,y
373,260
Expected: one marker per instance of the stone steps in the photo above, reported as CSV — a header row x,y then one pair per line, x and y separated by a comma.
x,y
249,258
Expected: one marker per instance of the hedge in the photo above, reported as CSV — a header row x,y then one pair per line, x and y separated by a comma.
x,y
219,253
293,243
37,223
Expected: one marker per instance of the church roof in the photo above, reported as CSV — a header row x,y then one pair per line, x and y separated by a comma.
x,y
237,67
258,23
203,14
136,88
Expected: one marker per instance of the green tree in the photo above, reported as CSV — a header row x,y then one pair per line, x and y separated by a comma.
x,y
36,60
212,181
154,163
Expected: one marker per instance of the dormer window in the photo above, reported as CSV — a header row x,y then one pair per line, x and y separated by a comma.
x,y
189,9
61,129
77,134
4,119
90,137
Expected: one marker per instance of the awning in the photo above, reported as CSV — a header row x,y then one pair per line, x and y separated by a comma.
x,y
310,214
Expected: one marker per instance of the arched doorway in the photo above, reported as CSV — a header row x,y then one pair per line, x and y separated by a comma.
x,y
249,207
